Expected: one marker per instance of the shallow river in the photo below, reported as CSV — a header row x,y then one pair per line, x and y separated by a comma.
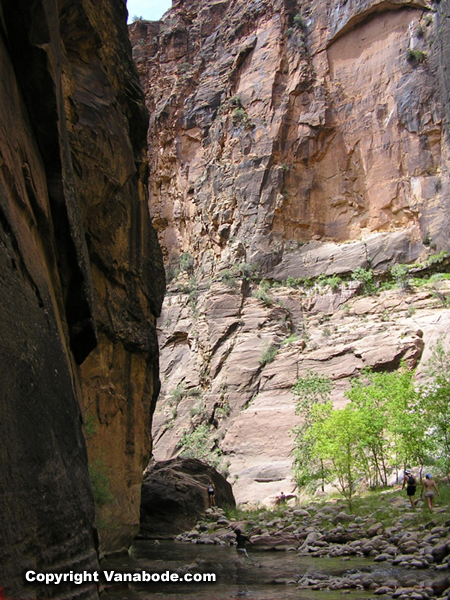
x,y
261,577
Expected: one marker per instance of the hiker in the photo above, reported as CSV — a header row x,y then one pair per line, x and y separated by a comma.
x,y
410,482
211,492
240,542
429,486
281,498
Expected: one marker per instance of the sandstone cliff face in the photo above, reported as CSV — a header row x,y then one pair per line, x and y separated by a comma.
x,y
277,124
293,140
72,170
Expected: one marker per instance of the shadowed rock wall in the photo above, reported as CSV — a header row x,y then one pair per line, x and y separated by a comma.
x,y
47,325
72,170
107,124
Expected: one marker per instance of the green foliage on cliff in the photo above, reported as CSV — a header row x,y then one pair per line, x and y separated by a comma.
x,y
365,276
100,482
200,444
268,355
187,262
262,294
416,56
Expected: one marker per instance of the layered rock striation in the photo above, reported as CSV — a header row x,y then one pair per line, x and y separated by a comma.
x,y
81,287
290,142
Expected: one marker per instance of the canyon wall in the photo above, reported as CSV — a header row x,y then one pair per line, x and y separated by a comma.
x,y
107,128
290,141
82,284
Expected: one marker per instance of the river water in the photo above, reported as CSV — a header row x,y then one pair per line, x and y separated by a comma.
x,y
263,576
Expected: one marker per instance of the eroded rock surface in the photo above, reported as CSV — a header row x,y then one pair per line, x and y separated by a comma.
x,y
107,123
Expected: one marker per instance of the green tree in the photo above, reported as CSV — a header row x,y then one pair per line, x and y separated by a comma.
x,y
370,395
312,389
336,440
436,401
393,431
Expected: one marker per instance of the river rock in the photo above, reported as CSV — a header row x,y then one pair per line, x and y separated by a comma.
x,y
273,542
440,551
174,496
300,512
382,557
440,584
343,517
382,590
375,529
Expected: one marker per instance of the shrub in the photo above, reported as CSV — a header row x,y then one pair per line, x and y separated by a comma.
x,y
289,340
178,394
334,282
411,310
416,56
298,21
400,273
439,277
187,262
228,277
261,294
365,276
223,410
90,425
268,355
240,117
436,258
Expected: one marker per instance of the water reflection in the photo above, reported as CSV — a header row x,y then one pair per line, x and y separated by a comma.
x,y
265,576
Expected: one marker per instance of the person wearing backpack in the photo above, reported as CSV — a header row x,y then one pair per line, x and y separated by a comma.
x,y
411,484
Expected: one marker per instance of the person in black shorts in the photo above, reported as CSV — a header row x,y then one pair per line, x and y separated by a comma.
x,y
211,492
411,484
241,540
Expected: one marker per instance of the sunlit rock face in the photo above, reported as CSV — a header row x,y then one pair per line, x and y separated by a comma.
x,y
275,124
81,287
297,139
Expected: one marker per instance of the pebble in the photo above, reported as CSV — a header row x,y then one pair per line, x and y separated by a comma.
x,y
382,590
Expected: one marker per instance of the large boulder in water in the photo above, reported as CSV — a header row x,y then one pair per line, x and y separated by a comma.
x,y
174,496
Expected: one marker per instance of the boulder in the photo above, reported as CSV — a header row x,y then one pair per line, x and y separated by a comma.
x,y
174,496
